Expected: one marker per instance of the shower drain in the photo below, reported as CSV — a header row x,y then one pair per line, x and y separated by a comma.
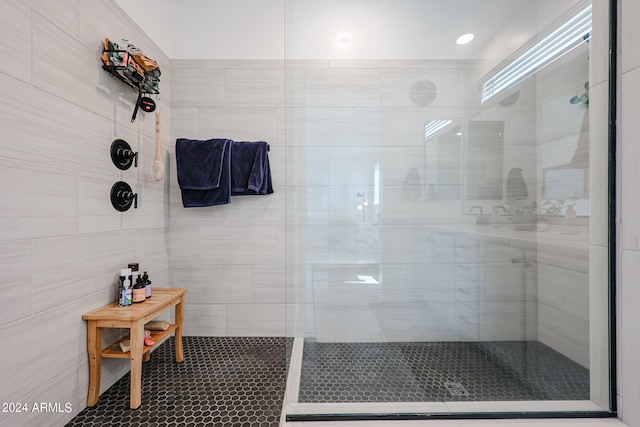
x,y
456,389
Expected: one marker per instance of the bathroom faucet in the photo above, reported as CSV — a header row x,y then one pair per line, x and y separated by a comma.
x,y
474,207
496,208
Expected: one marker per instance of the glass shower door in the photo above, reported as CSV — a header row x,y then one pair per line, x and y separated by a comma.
x,y
439,209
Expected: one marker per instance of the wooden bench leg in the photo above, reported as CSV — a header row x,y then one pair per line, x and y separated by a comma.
x,y
178,332
94,347
137,346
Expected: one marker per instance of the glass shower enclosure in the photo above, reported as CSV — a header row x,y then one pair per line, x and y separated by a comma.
x,y
446,207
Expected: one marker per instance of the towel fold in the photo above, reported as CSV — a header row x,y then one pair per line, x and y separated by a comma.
x,y
204,171
250,169
157,325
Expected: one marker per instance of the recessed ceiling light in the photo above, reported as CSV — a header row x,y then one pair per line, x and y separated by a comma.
x,y
465,38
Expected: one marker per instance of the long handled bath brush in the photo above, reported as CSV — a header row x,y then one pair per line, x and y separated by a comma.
x,y
157,168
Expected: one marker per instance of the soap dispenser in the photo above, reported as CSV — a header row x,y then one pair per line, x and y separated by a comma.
x,y
147,285
139,292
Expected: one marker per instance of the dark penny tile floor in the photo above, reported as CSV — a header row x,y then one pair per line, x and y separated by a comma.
x,y
240,381
224,381
438,371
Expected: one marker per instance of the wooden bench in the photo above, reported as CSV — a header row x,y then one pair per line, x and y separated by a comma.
x,y
132,317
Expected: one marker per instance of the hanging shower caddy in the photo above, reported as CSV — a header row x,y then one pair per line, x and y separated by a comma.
x,y
131,66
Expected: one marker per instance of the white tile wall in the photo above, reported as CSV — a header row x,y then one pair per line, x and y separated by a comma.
x,y
231,257
628,211
255,87
15,22
252,124
62,243
63,14
630,204
598,162
197,87
256,319
17,283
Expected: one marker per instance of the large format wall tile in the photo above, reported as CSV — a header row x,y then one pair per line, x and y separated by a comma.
x,y
151,212
152,253
630,162
184,123
255,87
64,14
57,139
243,210
398,91
60,330
417,322
219,245
340,88
15,39
62,243
68,69
16,286
403,128
63,266
630,36
205,320
60,397
216,285
198,88
599,163
32,189
96,213
307,167
256,320
347,323
629,344
268,283
324,127
250,124
300,320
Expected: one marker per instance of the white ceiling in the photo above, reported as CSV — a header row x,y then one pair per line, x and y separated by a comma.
x,y
380,29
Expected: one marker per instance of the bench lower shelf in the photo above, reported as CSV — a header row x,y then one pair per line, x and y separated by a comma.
x,y
113,351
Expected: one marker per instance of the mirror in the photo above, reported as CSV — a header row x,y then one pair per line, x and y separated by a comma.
x,y
443,161
484,159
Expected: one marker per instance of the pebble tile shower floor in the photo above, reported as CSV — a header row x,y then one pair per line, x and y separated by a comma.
x,y
438,372
223,381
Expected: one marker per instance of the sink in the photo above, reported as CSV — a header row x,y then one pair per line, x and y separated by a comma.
x,y
483,219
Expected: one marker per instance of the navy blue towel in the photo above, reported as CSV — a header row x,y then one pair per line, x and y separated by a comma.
x,y
250,169
204,171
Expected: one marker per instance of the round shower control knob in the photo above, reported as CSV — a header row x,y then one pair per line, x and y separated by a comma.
x,y
122,196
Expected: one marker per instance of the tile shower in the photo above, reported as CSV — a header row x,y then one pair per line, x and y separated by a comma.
x,y
386,239
238,288
413,275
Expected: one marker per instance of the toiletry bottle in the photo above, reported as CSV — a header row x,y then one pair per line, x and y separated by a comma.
x,y
125,277
129,282
139,291
120,292
147,285
128,293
